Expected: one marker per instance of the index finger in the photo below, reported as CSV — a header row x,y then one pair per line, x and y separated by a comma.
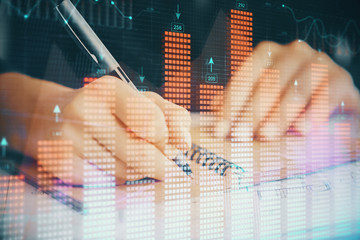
x,y
178,121
152,127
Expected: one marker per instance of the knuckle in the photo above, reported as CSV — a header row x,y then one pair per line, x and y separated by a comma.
x,y
294,44
95,83
300,44
180,113
152,95
104,82
323,58
302,48
264,45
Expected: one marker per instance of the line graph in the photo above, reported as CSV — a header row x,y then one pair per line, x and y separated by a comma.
x,y
27,10
130,17
332,40
26,14
118,10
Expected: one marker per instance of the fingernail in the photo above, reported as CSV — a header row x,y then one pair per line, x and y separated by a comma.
x,y
222,128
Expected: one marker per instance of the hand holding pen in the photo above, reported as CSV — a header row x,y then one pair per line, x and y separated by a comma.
x,y
172,121
160,127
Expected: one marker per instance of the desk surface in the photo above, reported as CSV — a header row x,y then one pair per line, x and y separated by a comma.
x,y
298,200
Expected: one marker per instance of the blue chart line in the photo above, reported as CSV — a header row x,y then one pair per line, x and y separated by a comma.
x,y
123,15
112,3
28,13
18,10
119,11
319,26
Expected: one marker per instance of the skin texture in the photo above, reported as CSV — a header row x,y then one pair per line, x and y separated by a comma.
x,y
294,63
28,103
27,111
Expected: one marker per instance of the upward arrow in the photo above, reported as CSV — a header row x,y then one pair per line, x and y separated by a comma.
x,y
211,62
178,12
4,144
57,111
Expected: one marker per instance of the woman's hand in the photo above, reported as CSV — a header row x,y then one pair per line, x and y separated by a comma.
x,y
105,118
293,62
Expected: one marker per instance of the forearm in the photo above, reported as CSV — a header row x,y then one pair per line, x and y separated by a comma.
x,y
22,100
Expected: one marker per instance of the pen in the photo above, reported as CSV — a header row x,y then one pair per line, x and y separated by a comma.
x,y
83,34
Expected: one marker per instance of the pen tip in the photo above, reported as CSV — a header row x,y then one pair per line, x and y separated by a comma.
x,y
187,169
